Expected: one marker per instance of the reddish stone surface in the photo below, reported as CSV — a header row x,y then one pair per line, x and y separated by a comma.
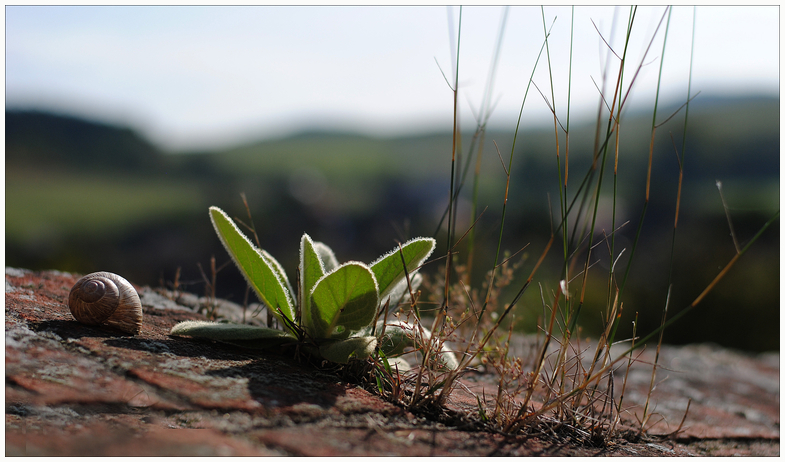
x,y
75,390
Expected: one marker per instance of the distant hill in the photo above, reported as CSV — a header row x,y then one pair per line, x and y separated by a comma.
x,y
721,131
36,139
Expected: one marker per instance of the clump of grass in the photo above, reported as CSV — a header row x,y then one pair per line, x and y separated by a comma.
x,y
559,383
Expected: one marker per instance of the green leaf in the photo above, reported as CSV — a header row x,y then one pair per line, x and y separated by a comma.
x,y
389,270
399,365
262,272
311,270
396,339
281,274
344,300
398,335
326,254
342,351
236,334
400,291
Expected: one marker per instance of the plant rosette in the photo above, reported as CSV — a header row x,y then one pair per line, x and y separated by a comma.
x,y
332,314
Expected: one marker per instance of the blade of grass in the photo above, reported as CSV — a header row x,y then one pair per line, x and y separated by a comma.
x,y
450,231
455,135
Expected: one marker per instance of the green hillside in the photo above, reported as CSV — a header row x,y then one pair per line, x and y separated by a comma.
x,y
34,139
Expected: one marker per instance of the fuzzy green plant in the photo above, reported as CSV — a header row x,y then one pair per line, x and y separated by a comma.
x,y
333,314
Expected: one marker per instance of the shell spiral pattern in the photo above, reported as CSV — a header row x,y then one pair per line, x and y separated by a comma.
x,y
106,299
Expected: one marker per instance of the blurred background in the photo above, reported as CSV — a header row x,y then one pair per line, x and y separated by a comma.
x,y
124,124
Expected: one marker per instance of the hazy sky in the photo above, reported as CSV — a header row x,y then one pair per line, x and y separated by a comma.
x,y
204,77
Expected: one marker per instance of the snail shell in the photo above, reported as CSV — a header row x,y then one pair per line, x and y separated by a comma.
x,y
106,299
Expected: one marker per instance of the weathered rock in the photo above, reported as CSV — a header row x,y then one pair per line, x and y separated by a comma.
x,y
75,390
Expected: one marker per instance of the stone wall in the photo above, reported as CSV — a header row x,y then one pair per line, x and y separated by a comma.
x,y
75,390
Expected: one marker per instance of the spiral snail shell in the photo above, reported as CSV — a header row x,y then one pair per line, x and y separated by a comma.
x,y
106,299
